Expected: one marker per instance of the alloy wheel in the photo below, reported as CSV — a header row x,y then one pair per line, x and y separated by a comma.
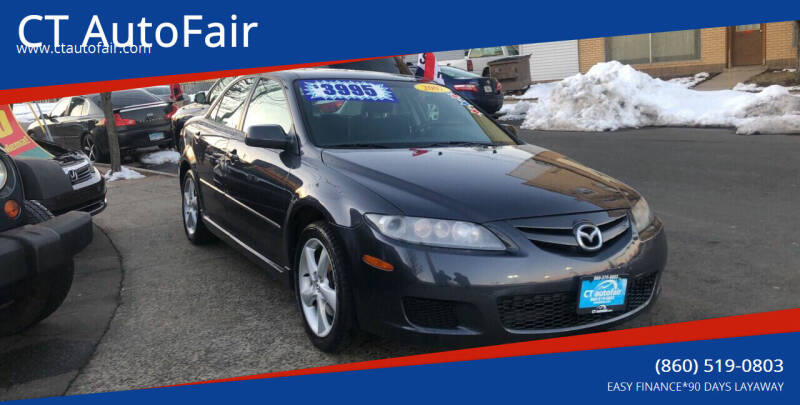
x,y
190,206
317,288
90,148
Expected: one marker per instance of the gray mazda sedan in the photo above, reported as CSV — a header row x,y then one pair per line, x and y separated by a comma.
x,y
397,207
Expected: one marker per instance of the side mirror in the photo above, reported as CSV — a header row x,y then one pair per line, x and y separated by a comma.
x,y
510,128
43,116
267,136
200,97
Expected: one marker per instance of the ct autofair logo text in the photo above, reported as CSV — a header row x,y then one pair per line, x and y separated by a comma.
x,y
607,288
140,33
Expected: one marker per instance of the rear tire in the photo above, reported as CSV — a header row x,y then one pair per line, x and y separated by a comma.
x,y
92,150
35,299
192,215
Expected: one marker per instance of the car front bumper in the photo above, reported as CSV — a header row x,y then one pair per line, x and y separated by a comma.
x,y
45,247
463,298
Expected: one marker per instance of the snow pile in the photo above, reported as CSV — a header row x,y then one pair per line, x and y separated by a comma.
x,y
160,157
538,90
611,96
514,111
691,81
125,173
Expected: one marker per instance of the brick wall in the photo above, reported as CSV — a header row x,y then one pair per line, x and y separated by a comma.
x,y
780,52
712,56
591,52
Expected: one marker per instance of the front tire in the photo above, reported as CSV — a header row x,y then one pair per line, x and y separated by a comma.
x,y
322,289
193,225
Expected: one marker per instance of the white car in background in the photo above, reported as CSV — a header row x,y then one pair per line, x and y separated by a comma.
x,y
477,59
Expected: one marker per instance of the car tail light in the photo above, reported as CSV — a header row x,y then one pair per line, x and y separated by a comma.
x,y
469,65
172,110
119,121
499,87
466,87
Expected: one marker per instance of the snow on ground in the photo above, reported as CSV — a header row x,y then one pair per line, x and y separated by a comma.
x,y
514,111
611,96
125,173
690,81
160,157
754,88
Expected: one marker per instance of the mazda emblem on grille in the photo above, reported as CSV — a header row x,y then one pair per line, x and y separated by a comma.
x,y
588,236
73,176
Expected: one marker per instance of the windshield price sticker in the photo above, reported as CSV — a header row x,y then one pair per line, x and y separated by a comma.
x,y
345,90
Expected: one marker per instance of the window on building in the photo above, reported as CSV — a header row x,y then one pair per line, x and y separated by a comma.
x,y
653,48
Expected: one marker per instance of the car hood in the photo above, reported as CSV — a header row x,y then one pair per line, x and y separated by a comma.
x,y
481,184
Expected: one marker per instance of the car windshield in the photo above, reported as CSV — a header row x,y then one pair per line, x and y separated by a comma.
x,y
126,98
344,113
159,90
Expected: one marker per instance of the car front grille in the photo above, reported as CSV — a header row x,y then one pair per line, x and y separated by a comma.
x,y
555,234
559,310
430,313
82,173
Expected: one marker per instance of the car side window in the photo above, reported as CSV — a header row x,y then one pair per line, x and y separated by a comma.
x,y
60,108
513,50
483,52
268,106
76,107
218,87
231,105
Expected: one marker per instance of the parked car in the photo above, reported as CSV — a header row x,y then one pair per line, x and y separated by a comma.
x,y
396,207
36,248
142,119
88,192
202,100
485,92
477,59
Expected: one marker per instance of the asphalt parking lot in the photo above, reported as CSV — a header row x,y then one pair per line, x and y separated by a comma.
x,y
186,313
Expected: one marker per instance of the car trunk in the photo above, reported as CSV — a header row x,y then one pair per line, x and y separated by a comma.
x,y
144,116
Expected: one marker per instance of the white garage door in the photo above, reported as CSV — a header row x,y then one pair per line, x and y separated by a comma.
x,y
552,60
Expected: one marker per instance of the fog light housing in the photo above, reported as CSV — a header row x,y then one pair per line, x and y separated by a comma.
x,y
11,209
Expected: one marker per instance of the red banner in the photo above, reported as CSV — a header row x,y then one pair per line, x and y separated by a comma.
x,y
15,141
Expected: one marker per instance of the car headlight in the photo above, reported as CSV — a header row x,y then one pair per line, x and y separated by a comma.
x,y
3,174
642,216
436,232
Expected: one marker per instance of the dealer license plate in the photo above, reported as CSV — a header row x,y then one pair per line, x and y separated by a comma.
x,y
487,89
600,294
156,136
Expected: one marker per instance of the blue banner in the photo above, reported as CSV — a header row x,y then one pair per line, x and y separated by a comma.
x,y
46,43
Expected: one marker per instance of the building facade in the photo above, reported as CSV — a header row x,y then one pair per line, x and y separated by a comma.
x,y
682,53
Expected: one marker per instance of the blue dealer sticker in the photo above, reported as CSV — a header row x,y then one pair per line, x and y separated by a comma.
x,y
602,294
344,90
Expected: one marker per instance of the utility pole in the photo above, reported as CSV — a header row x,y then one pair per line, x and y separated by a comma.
x,y
111,130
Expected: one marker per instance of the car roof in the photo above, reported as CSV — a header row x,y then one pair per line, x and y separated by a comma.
x,y
318,73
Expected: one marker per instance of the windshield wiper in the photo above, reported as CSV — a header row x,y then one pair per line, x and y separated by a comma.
x,y
357,146
457,143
